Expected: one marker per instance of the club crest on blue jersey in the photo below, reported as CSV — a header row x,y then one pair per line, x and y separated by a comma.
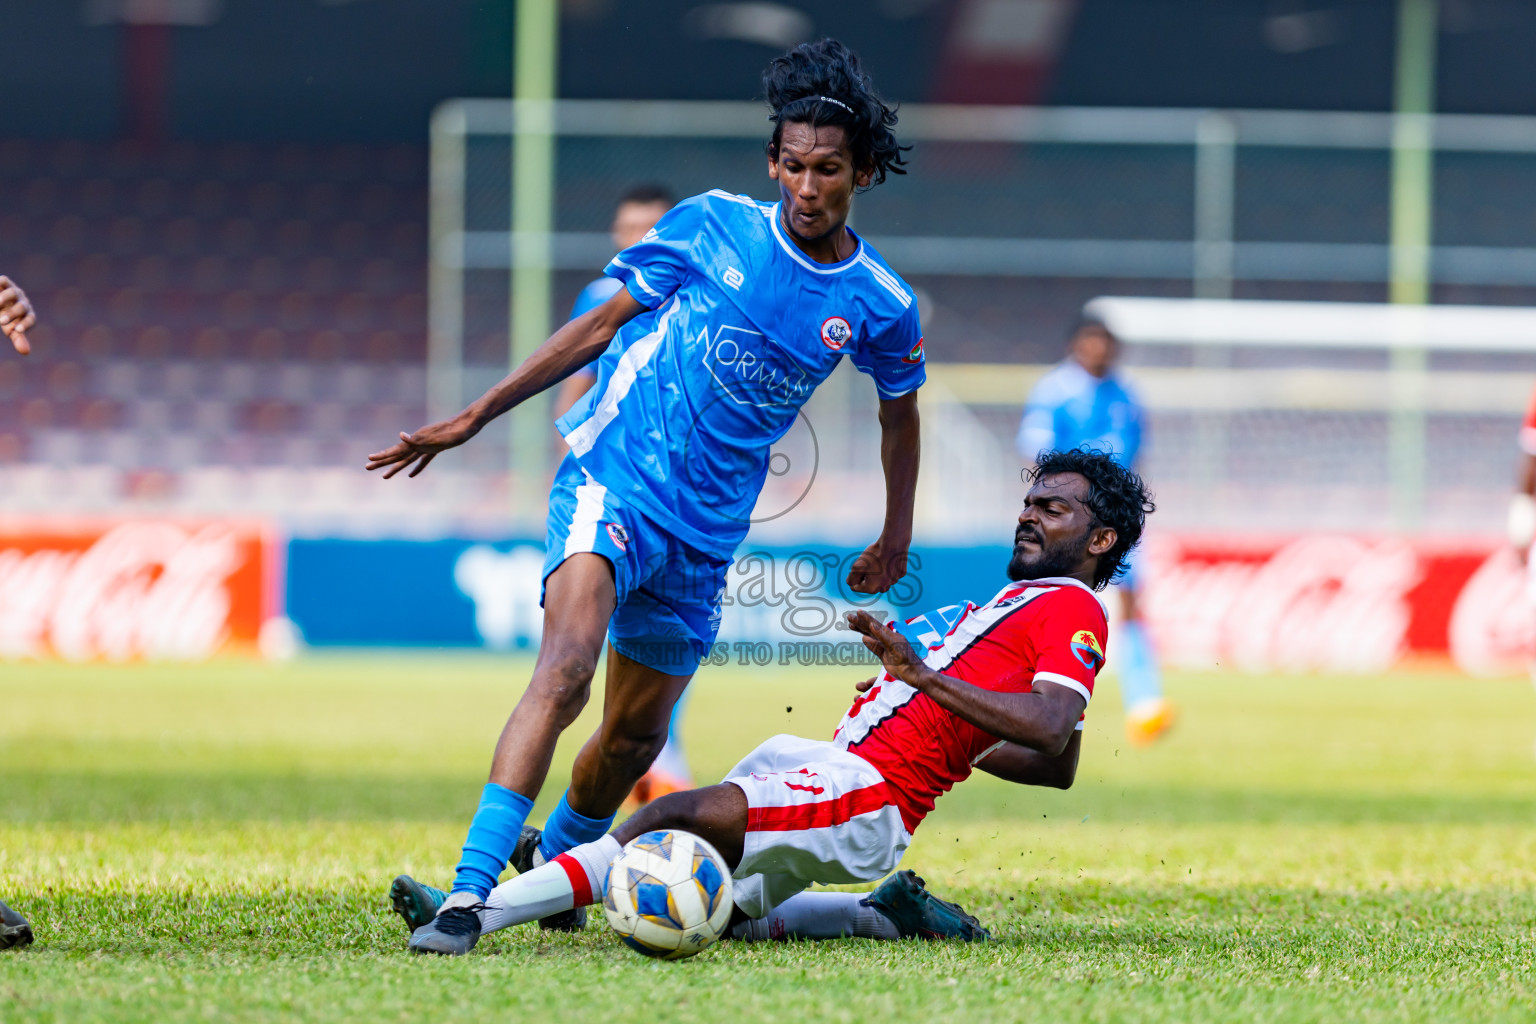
x,y
619,536
835,332
1086,647
916,355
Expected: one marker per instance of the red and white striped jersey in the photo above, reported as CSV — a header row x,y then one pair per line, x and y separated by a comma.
x,y
1049,630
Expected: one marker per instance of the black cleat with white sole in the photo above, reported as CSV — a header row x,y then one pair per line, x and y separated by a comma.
x,y
453,932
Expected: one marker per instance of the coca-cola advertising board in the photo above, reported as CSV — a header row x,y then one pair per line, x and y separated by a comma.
x,y
1315,602
1336,603
126,590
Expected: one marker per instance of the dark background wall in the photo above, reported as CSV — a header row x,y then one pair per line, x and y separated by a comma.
x,y
371,70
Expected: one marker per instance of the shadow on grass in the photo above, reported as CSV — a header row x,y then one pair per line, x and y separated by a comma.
x,y
96,799
1090,918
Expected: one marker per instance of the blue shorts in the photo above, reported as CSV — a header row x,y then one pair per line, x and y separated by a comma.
x,y
669,594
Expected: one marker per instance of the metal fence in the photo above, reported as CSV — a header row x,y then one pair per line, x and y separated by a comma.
x,y
1011,219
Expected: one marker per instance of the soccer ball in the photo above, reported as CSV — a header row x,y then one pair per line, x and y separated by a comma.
x,y
668,895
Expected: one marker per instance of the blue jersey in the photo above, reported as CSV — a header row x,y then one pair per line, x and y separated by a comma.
x,y
1070,407
593,295
742,326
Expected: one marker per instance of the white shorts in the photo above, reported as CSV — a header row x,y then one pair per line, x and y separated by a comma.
x,y
815,813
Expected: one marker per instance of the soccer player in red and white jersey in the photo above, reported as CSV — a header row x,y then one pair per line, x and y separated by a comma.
x,y
1004,691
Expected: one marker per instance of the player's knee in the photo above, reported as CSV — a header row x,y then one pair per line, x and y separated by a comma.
x,y
564,683
632,753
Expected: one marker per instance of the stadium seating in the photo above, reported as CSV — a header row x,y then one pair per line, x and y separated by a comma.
x,y
211,306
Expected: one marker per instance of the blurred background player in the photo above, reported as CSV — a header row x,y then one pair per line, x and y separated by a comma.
x,y
1084,401
1522,507
638,211
16,318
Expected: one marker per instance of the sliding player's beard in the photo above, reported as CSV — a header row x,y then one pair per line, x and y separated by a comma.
x,y
1052,559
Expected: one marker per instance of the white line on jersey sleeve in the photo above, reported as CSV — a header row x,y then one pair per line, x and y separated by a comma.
x,y
886,280
720,193
1067,681
640,280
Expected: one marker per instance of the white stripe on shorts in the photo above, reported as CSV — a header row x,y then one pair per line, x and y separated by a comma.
x,y
589,511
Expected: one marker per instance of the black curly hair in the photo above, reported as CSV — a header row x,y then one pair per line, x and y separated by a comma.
x,y
1117,497
822,83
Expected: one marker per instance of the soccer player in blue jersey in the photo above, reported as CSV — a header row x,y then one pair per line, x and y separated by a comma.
x,y
732,312
638,211
1084,401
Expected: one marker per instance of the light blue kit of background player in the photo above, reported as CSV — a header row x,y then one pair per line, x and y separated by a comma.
x,y
1084,401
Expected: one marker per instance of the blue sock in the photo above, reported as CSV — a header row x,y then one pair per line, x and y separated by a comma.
x,y
566,830
492,835
1140,678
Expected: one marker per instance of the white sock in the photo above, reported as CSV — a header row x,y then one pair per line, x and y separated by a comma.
x,y
819,915
573,879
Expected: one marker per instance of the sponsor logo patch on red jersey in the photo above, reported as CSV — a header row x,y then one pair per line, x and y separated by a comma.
x,y
835,332
1085,646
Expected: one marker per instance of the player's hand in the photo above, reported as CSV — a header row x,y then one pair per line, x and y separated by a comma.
x,y
866,685
417,450
878,569
898,657
16,314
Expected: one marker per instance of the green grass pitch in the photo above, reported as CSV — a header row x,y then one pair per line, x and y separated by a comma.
x,y
213,843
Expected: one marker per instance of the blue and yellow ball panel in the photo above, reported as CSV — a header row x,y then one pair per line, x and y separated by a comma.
x,y
708,876
654,901
659,843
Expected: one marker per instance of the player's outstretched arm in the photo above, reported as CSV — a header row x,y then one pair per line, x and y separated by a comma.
x,y
884,563
573,346
1032,768
16,314
1045,719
